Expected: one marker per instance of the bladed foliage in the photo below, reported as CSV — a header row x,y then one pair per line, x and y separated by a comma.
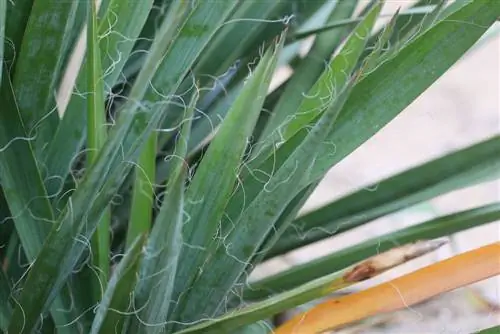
x,y
143,202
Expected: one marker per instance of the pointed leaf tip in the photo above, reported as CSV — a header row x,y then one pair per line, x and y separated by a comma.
x,y
396,256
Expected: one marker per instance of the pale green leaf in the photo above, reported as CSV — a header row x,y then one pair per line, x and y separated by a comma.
x,y
96,137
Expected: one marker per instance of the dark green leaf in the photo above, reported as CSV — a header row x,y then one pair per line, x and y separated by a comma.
x,y
23,187
237,41
153,22
284,221
5,304
18,14
237,245
453,171
158,270
115,46
432,229
218,170
383,94
310,69
298,112
38,62
104,177
3,9
60,252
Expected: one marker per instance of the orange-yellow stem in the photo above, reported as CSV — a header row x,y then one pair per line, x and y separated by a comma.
x,y
399,293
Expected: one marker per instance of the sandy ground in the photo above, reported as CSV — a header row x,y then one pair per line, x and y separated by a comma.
x,y
461,108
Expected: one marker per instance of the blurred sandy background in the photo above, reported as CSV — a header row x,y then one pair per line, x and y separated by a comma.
x,y
461,108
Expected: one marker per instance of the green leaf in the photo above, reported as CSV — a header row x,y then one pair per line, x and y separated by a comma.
x,y
110,317
271,100
208,124
313,65
281,225
406,19
3,9
302,109
291,50
417,28
119,27
38,62
257,172
372,60
18,14
237,245
309,291
74,36
491,330
14,258
405,22
141,211
236,35
127,138
96,137
158,271
96,127
456,170
261,327
197,21
383,94
237,40
143,43
284,221
431,18
218,170
251,23
235,319
23,187
432,229
235,47
5,304
85,208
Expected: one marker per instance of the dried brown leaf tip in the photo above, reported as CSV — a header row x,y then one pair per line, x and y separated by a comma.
x,y
390,259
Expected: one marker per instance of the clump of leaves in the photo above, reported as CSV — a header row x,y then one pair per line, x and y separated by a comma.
x,y
143,179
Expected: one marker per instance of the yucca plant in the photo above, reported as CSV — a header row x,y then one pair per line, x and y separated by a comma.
x,y
141,201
